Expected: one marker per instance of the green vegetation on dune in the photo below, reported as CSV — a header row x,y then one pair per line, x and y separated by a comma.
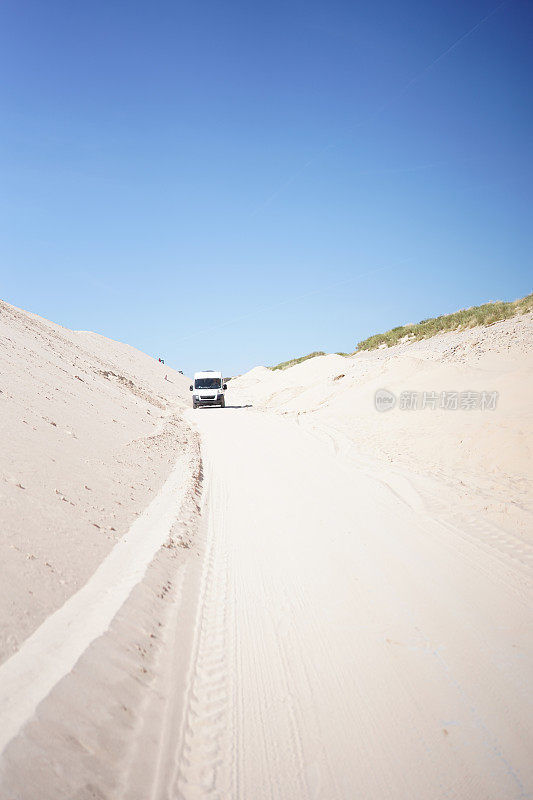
x,y
473,317
466,318
293,361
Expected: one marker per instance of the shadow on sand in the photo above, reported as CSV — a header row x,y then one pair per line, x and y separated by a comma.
x,y
249,405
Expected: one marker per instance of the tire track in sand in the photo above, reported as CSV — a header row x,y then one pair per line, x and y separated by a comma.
x,y
205,764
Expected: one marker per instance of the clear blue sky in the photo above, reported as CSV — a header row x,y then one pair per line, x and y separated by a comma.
x,y
233,183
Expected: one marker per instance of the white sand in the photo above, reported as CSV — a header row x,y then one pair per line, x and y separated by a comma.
x,y
349,616
53,649
348,644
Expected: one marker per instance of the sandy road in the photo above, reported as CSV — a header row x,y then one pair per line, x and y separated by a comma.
x,y
347,644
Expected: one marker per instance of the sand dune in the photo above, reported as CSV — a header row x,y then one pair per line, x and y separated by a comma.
x,y
481,457
94,446
332,602
89,432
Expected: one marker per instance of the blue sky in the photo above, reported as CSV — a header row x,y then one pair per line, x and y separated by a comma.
x,y
231,183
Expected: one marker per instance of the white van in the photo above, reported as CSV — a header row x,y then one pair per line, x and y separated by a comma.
x,y
208,389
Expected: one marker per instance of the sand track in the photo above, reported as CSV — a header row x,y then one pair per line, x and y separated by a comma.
x,y
330,635
346,644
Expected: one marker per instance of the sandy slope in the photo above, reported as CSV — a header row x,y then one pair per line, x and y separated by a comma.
x,y
479,459
99,470
89,429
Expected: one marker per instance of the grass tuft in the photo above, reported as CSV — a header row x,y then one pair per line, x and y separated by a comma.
x,y
293,361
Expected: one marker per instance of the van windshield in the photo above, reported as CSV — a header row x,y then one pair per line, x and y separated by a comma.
x,y
207,383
